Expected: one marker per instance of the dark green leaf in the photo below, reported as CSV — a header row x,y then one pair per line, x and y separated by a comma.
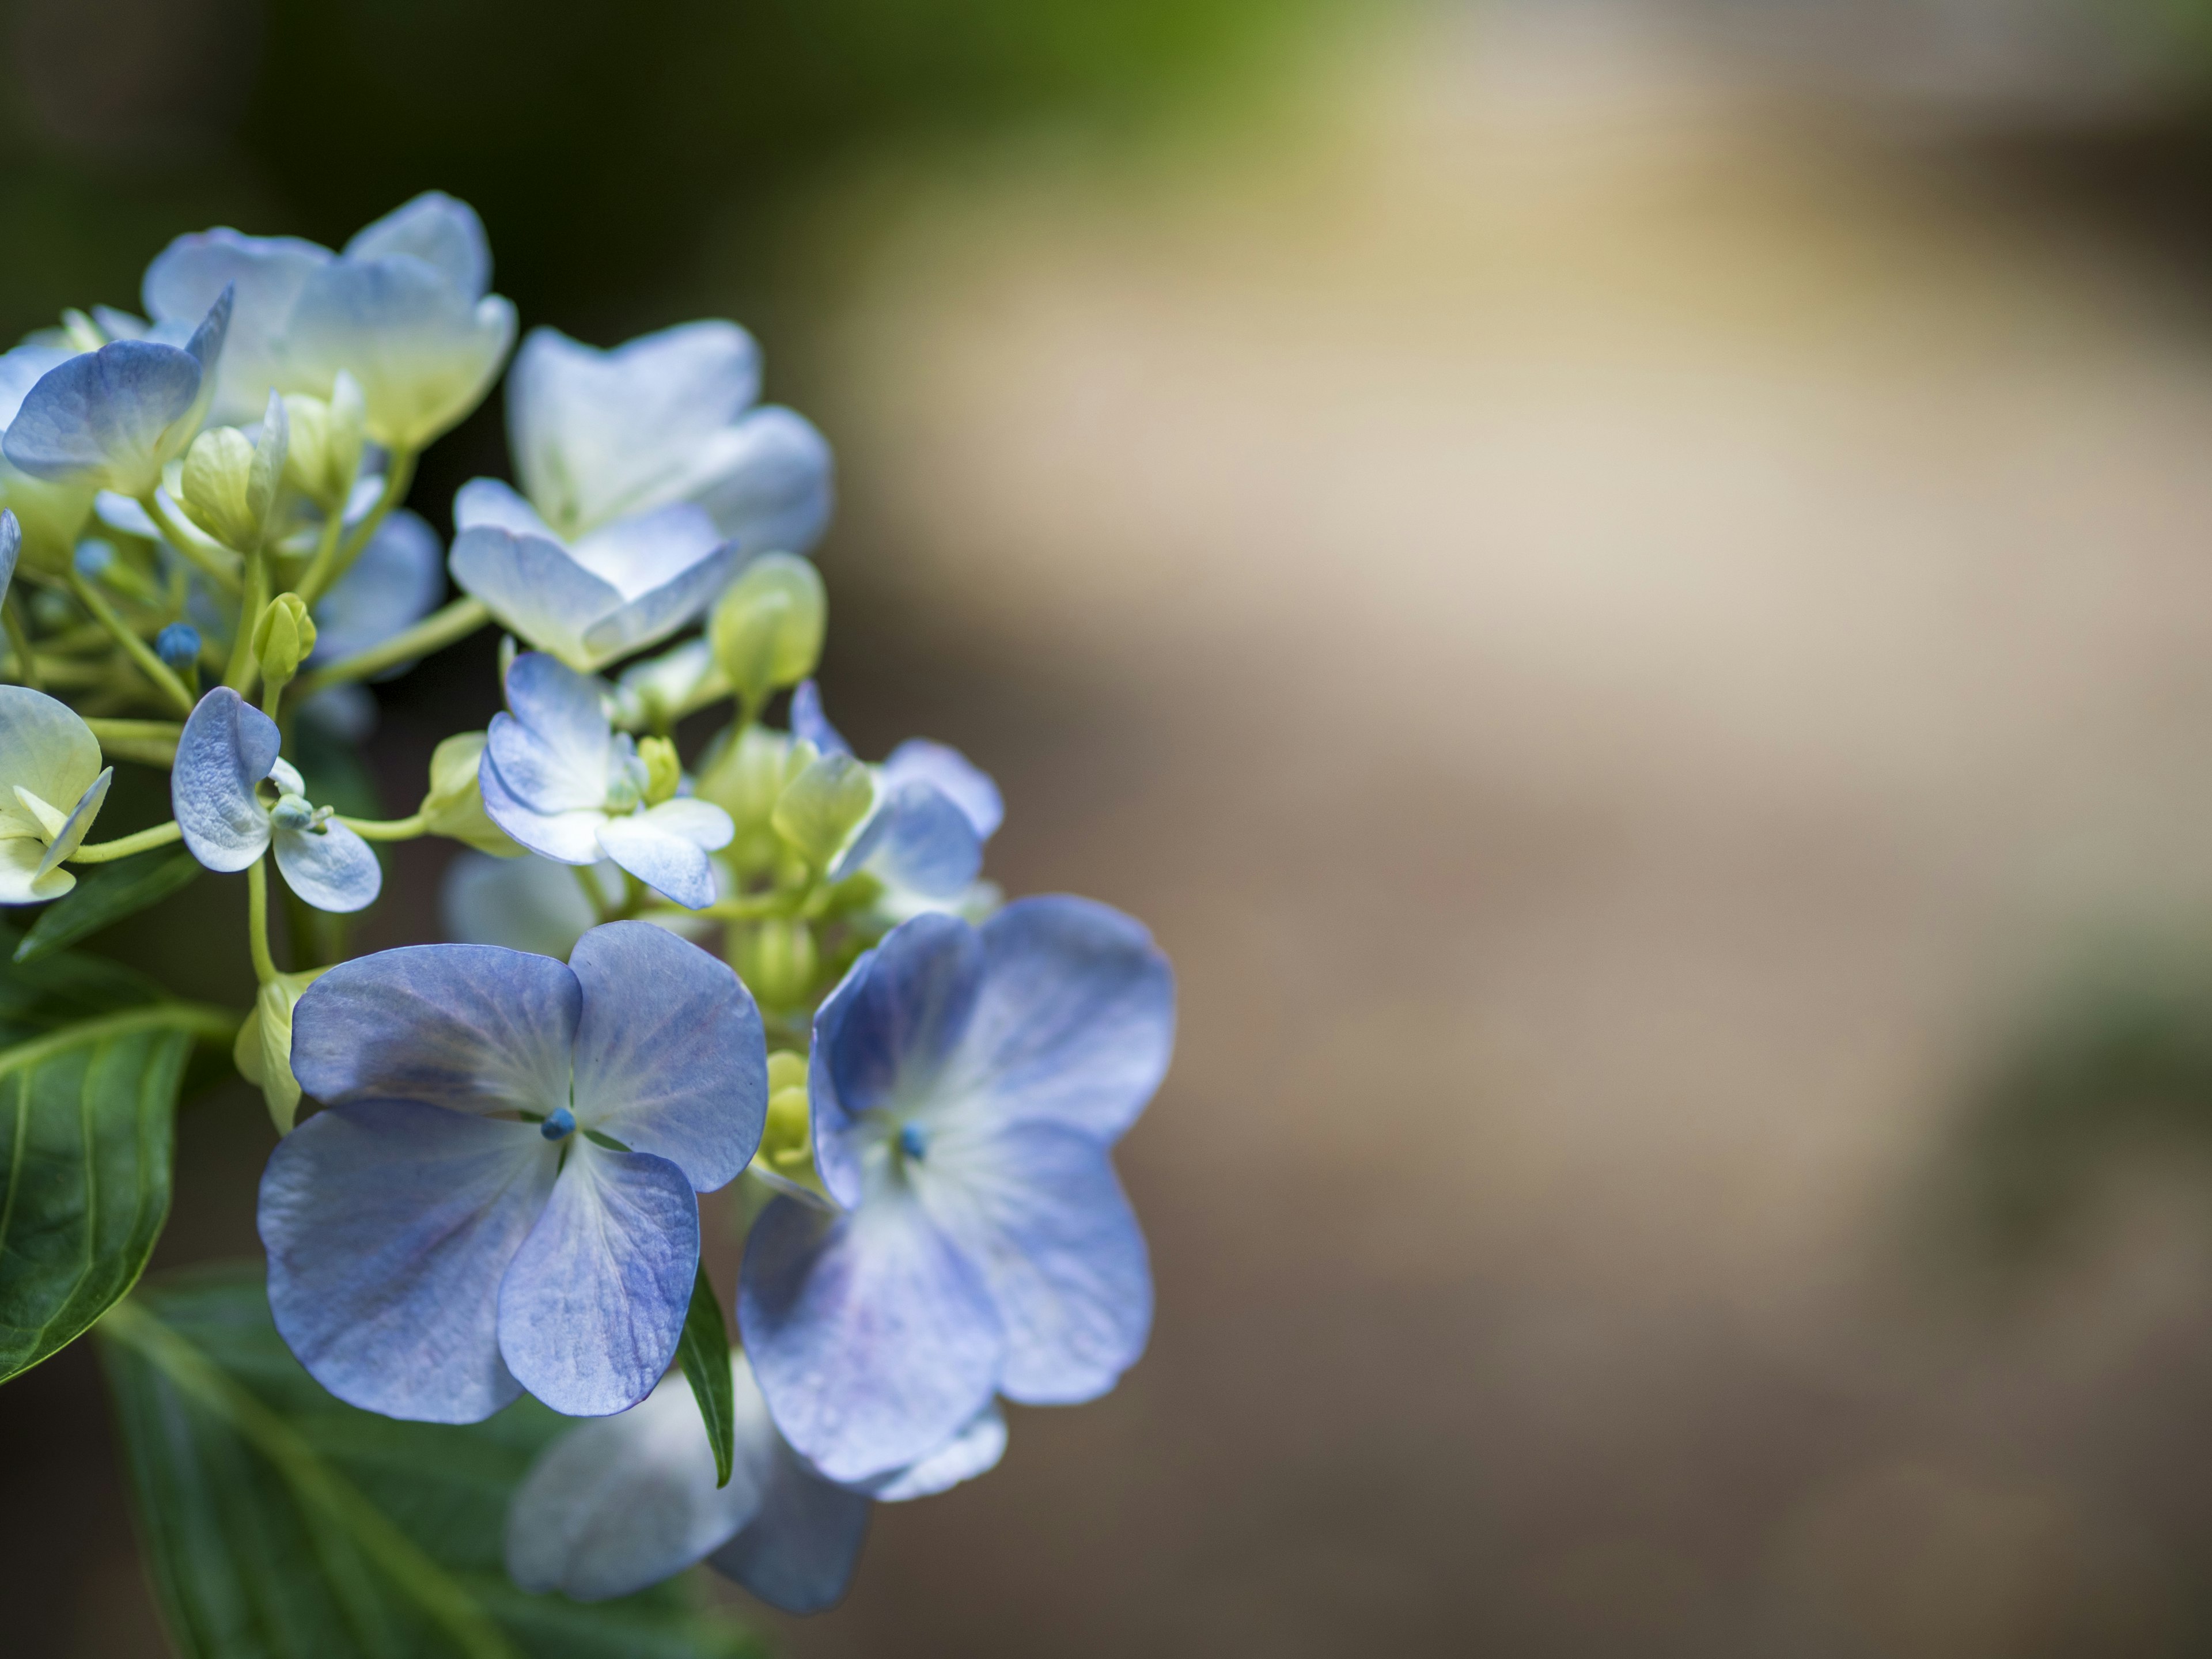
x,y
123,889
278,1521
36,999
704,1352
86,1117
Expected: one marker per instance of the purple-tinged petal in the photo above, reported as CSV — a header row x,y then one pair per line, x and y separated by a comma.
x,y
332,868
670,1056
389,1225
1038,1206
672,865
799,1552
874,1337
909,1003
927,845
472,1027
570,837
442,232
228,747
109,417
810,724
591,1309
837,1151
974,1450
555,752
954,775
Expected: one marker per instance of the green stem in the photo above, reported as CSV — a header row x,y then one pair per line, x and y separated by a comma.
x,y
434,632
387,829
100,852
136,731
188,545
139,652
587,880
243,669
19,640
257,919
398,473
316,576
313,1482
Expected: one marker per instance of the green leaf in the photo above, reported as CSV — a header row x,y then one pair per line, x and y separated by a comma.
x,y
278,1521
121,889
87,1119
704,1352
63,990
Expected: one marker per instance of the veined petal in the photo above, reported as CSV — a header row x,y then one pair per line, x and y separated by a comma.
x,y
11,546
110,417
591,1309
398,579
799,1550
534,589
188,277
389,1225
470,1027
874,1337
571,837
1038,1205
22,368
928,845
670,1056
71,834
672,865
765,482
440,230
332,868
1075,1021
228,747
953,776
909,1004
47,748
553,752
974,1450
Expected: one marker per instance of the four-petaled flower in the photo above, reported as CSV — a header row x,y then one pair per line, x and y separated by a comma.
x,y
501,1192
966,1086
51,784
228,752
559,780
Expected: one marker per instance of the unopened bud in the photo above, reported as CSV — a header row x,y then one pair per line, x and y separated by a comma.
x,y
229,485
263,1051
177,646
820,809
454,807
284,638
327,436
663,770
777,959
785,1144
767,627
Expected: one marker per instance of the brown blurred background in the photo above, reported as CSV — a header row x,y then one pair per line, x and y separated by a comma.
x,y
1628,587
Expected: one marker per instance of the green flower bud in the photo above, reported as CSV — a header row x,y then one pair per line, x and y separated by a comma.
x,y
767,627
777,959
229,485
663,770
53,517
454,807
283,637
786,1147
819,810
263,1052
327,436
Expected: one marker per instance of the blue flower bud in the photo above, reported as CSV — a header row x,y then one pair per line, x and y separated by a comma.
x,y
913,1140
92,558
177,646
559,1122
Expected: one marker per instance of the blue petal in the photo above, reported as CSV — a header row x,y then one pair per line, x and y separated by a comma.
x,y
489,501
443,233
766,482
267,272
227,748
674,866
423,352
571,837
1076,1019
111,416
332,868
398,579
810,724
648,551
23,368
900,1015
1038,1206
653,615
927,844
533,587
954,775
974,1450
389,1225
670,1056
874,1338
799,1552
592,1306
11,545
553,752
525,903
467,1026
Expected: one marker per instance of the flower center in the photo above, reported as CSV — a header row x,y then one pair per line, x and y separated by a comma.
x,y
295,813
559,1123
627,778
913,1141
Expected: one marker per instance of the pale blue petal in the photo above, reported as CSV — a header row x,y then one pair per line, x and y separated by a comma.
x,y
11,545
228,747
555,750
974,1450
874,1338
490,501
528,904
766,482
109,416
672,865
953,775
637,554
1038,1206
332,868
837,1150
799,1552
699,821
654,615
23,368
76,826
810,724
591,1309
267,272
669,1057
927,844
465,1026
389,1225
423,352
443,233
619,1503
908,1006
398,579
534,589
571,837
121,513
1075,1023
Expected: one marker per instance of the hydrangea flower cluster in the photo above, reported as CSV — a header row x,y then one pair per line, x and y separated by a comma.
x,y
760,961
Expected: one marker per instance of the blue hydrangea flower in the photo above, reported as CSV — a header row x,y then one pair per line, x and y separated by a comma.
x,y
52,515
615,589
11,548
966,1088
501,1194
405,308
398,579
616,1505
531,903
669,417
228,750
934,811
112,419
51,785
557,777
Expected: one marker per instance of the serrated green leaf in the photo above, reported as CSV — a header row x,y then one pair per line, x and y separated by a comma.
x,y
278,1521
703,1351
86,1124
121,889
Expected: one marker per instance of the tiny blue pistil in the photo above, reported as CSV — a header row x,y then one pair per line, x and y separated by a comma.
x,y
913,1140
558,1122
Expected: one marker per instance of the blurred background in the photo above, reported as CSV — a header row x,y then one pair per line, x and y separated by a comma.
x,y
1628,587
